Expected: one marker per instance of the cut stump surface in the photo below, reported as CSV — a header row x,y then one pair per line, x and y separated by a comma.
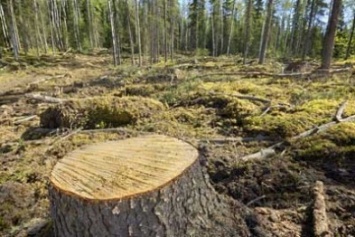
x,y
151,185
121,169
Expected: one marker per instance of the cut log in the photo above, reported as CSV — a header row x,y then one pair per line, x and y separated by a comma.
x,y
320,219
144,186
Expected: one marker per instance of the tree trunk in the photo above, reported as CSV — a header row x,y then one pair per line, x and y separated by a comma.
x,y
328,43
113,34
151,185
13,31
266,32
89,24
76,16
348,48
4,26
307,39
231,29
247,30
131,43
295,27
165,33
138,33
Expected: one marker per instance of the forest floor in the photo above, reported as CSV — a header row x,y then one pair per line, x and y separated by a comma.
x,y
227,110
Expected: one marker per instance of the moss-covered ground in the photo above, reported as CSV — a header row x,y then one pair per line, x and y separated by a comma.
x,y
198,102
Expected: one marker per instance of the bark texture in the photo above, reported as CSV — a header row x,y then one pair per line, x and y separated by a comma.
x,y
186,206
329,38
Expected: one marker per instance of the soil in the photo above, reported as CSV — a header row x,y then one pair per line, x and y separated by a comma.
x,y
273,196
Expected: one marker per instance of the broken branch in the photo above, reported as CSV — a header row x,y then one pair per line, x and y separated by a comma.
x,y
44,98
320,219
339,114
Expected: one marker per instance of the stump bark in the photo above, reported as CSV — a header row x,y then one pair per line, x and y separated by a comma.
x,y
144,186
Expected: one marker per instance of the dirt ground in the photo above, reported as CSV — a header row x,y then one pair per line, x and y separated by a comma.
x,y
225,109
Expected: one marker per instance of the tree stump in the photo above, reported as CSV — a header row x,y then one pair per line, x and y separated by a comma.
x,y
151,185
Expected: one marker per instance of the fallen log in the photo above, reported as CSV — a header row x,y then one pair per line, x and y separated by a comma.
x,y
320,219
44,98
144,186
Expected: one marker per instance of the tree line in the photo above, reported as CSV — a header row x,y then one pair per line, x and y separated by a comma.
x,y
156,29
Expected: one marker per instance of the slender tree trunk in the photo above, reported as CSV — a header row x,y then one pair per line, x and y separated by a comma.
x,y
266,32
113,33
76,17
13,30
165,32
65,26
37,33
295,27
138,33
348,48
213,36
172,29
221,28
116,27
4,26
131,43
328,43
231,28
89,20
247,30
307,39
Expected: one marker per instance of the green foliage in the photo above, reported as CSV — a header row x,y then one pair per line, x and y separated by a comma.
x,y
341,44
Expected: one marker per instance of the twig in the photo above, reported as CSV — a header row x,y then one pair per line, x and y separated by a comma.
x,y
63,138
255,200
245,97
280,105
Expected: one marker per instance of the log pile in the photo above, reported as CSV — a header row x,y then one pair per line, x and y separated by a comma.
x,y
99,112
150,185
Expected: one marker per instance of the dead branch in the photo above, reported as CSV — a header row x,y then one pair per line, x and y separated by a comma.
x,y
19,121
263,153
280,105
303,75
44,79
269,151
245,97
223,140
320,219
339,114
255,200
44,98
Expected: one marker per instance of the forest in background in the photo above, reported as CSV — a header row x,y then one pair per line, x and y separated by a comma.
x,y
161,28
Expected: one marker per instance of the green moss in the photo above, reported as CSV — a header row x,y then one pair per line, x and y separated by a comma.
x,y
100,112
239,110
281,125
3,224
336,145
140,90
